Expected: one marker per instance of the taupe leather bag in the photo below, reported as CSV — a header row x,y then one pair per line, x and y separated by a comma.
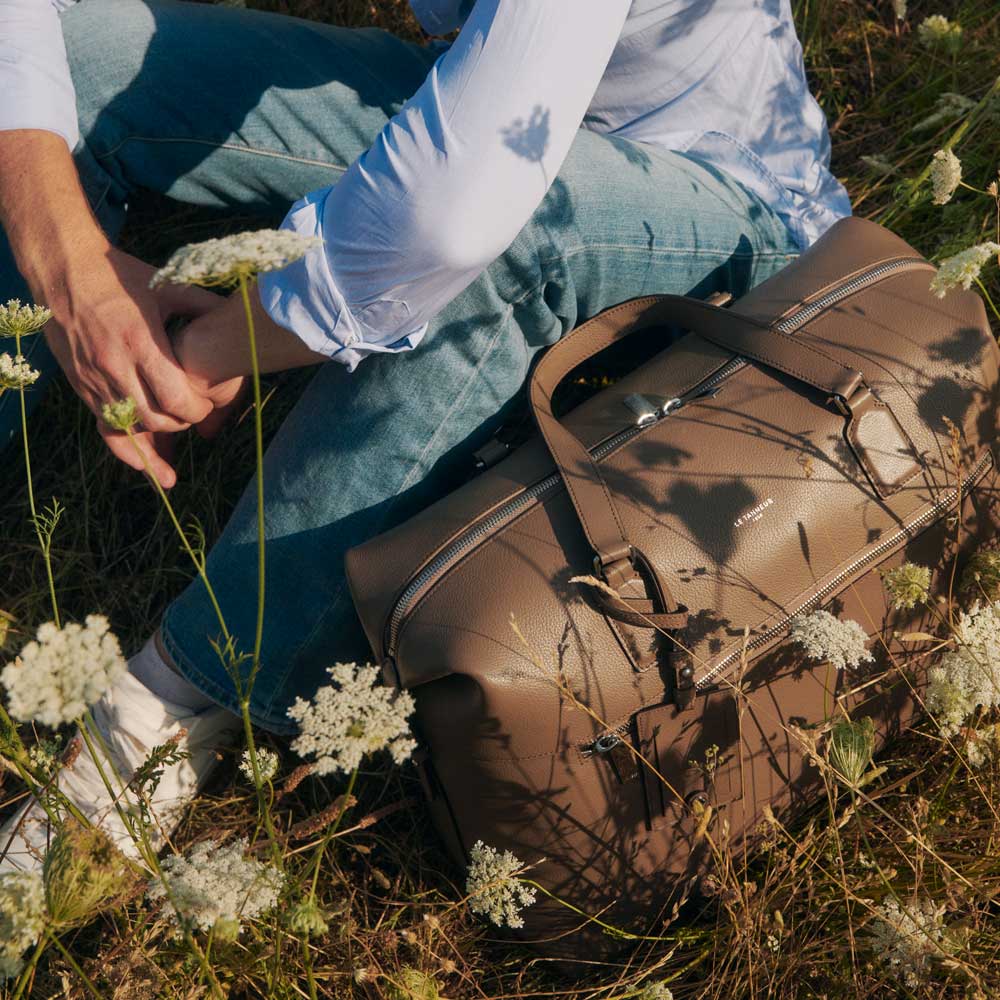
x,y
772,461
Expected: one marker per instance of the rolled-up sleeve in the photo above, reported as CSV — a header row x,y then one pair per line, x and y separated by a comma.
x,y
450,180
34,73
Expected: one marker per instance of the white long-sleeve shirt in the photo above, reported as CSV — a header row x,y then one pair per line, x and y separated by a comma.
x,y
453,177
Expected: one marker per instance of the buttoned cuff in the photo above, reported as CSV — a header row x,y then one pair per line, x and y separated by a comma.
x,y
305,299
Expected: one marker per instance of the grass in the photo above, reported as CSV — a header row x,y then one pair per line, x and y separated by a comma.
x,y
791,922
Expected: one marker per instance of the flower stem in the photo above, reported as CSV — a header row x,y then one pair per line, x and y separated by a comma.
x,y
43,544
329,835
258,431
989,301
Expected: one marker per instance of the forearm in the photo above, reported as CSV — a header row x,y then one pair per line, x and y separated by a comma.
x,y
216,347
43,209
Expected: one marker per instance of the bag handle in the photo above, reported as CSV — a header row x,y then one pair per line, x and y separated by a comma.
x,y
614,555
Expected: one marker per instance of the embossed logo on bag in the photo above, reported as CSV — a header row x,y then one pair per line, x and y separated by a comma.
x,y
754,514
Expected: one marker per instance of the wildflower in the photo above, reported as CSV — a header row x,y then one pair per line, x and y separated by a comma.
x,y
946,175
225,261
22,918
968,676
655,991
850,749
907,585
826,637
43,756
121,414
879,164
84,873
948,107
981,577
308,920
962,268
899,8
354,718
217,887
267,764
496,892
907,936
937,30
63,671
16,373
19,321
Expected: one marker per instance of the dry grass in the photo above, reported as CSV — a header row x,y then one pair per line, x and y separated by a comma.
x,y
794,921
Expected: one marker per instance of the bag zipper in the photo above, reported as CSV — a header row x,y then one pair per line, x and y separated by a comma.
x,y
873,555
661,409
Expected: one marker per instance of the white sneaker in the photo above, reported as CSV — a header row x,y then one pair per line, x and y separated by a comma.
x,y
131,720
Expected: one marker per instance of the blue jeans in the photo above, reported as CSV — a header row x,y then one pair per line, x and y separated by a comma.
x,y
226,107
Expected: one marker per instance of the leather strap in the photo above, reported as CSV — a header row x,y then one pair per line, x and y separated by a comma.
x,y
743,336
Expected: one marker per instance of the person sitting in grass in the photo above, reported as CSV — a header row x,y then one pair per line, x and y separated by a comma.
x,y
475,199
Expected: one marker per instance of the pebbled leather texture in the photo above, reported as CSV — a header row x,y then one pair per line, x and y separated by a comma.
x,y
825,458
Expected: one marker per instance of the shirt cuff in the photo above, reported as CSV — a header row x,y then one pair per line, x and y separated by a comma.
x,y
305,299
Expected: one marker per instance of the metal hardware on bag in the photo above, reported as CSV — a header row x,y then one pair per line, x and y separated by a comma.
x,y
684,687
645,410
492,452
612,747
696,799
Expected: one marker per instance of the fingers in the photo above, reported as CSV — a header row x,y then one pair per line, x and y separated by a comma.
x,y
227,397
145,452
177,404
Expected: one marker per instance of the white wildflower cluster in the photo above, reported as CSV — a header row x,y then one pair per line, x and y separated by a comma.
x,y
878,163
15,372
267,764
224,261
905,937
962,269
982,746
947,108
826,637
22,918
968,676
60,674
657,990
937,30
217,886
899,8
946,175
43,756
18,321
493,887
351,718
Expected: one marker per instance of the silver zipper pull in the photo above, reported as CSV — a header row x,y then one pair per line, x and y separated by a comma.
x,y
645,409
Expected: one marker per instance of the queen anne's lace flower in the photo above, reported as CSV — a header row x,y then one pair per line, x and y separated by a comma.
x,y
938,30
121,414
850,747
907,585
224,261
352,718
826,637
18,321
946,175
493,888
22,918
63,671
947,108
969,675
15,372
217,886
905,937
267,764
963,268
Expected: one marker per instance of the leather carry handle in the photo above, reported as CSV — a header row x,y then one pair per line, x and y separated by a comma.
x,y
731,331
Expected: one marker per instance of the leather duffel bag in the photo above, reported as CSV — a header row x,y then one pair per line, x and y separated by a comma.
x,y
832,423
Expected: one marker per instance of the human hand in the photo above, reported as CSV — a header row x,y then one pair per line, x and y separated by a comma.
x,y
108,334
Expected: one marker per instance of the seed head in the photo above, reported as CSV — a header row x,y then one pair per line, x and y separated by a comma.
x,y
946,175
121,414
981,577
850,749
907,585
308,920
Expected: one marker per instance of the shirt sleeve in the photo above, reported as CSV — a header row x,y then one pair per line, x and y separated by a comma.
x,y
34,73
450,180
